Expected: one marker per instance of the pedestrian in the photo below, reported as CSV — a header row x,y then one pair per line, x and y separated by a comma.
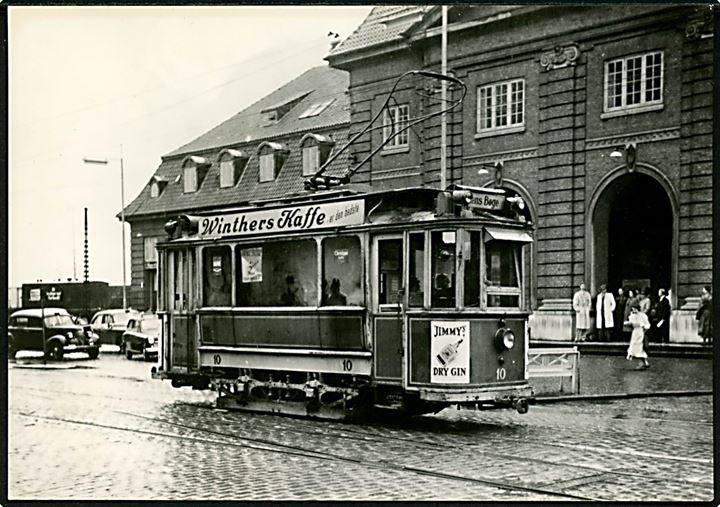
x,y
644,301
581,305
662,317
604,306
639,322
704,315
620,313
631,300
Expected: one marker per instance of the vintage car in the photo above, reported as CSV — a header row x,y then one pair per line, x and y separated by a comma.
x,y
25,332
111,324
141,337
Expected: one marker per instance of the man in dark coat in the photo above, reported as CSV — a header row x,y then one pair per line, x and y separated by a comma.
x,y
620,314
662,317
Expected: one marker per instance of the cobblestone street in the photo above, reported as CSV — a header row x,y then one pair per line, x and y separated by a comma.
x,y
104,430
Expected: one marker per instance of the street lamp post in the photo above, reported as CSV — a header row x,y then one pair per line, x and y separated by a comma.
x,y
105,161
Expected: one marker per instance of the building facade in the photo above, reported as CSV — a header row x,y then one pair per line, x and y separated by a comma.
x,y
262,153
599,116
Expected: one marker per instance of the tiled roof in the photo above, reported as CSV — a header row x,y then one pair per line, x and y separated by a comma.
x,y
247,189
384,24
245,132
322,83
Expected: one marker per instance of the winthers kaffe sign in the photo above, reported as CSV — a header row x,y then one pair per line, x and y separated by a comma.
x,y
292,219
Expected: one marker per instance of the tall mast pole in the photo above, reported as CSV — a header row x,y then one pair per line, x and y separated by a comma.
x,y
443,96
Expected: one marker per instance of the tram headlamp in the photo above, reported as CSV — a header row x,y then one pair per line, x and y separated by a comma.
x,y
504,339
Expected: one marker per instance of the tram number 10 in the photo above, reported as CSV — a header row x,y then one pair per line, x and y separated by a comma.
x,y
500,373
347,365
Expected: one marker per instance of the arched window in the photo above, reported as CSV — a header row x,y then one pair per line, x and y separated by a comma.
x,y
157,185
194,171
232,164
272,156
315,151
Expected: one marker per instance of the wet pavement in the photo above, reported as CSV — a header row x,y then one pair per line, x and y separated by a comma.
x,y
103,429
602,374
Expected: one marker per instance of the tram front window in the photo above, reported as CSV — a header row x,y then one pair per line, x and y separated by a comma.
x,y
443,269
342,264
391,267
471,257
502,272
280,273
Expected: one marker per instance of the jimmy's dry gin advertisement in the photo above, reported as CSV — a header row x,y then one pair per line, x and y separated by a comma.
x,y
450,352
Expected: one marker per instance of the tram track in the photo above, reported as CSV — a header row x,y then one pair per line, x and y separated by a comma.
x,y
350,433
265,445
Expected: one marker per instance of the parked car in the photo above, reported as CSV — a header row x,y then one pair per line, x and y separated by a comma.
x,y
111,324
142,337
25,332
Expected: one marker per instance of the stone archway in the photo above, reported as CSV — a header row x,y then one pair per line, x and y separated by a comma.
x,y
633,231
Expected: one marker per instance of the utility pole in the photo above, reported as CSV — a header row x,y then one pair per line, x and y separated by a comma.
x,y
443,98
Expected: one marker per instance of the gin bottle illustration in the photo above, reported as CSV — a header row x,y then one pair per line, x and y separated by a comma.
x,y
448,352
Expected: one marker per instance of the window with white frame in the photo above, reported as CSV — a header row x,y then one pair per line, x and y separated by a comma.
x,y
634,81
395,119
227,173
154,189
190,179
267,167
310,160
501,105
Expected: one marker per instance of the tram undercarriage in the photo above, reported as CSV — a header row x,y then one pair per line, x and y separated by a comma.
x,y
337,398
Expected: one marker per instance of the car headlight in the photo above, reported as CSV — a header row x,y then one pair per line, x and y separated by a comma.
x,y
70,335
504,339
151,340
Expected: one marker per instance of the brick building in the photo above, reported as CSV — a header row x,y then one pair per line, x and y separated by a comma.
x,y
601,116
261,153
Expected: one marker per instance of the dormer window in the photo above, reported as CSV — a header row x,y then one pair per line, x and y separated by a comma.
x,y
194,171
157,185
273,113
315,151
272,156
232,164
315,109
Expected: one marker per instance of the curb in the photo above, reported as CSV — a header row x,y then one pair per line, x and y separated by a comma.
x,y
31,366
540,400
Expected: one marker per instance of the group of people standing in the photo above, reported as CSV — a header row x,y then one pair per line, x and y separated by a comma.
x,y
619,319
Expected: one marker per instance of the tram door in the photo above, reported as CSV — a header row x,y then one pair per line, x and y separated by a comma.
x,y
182,273
387,285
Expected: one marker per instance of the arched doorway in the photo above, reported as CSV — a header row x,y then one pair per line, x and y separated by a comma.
x,y
632,234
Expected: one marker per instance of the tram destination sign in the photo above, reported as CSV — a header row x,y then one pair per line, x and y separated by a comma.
x,y
280,220
486,200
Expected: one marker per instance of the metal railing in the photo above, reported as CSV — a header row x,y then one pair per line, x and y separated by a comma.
x,y
556,362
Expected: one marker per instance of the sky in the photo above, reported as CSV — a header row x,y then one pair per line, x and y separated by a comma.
x,y
130,83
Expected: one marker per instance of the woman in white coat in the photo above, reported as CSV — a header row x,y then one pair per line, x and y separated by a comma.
x,y
640,324
604,308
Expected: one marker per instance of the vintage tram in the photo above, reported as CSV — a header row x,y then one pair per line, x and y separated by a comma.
x,y
337,302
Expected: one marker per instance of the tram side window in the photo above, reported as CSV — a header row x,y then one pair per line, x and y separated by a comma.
x,y
502,273
443,269
390,272
417,270
282,273
217,276
471,256
342,268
